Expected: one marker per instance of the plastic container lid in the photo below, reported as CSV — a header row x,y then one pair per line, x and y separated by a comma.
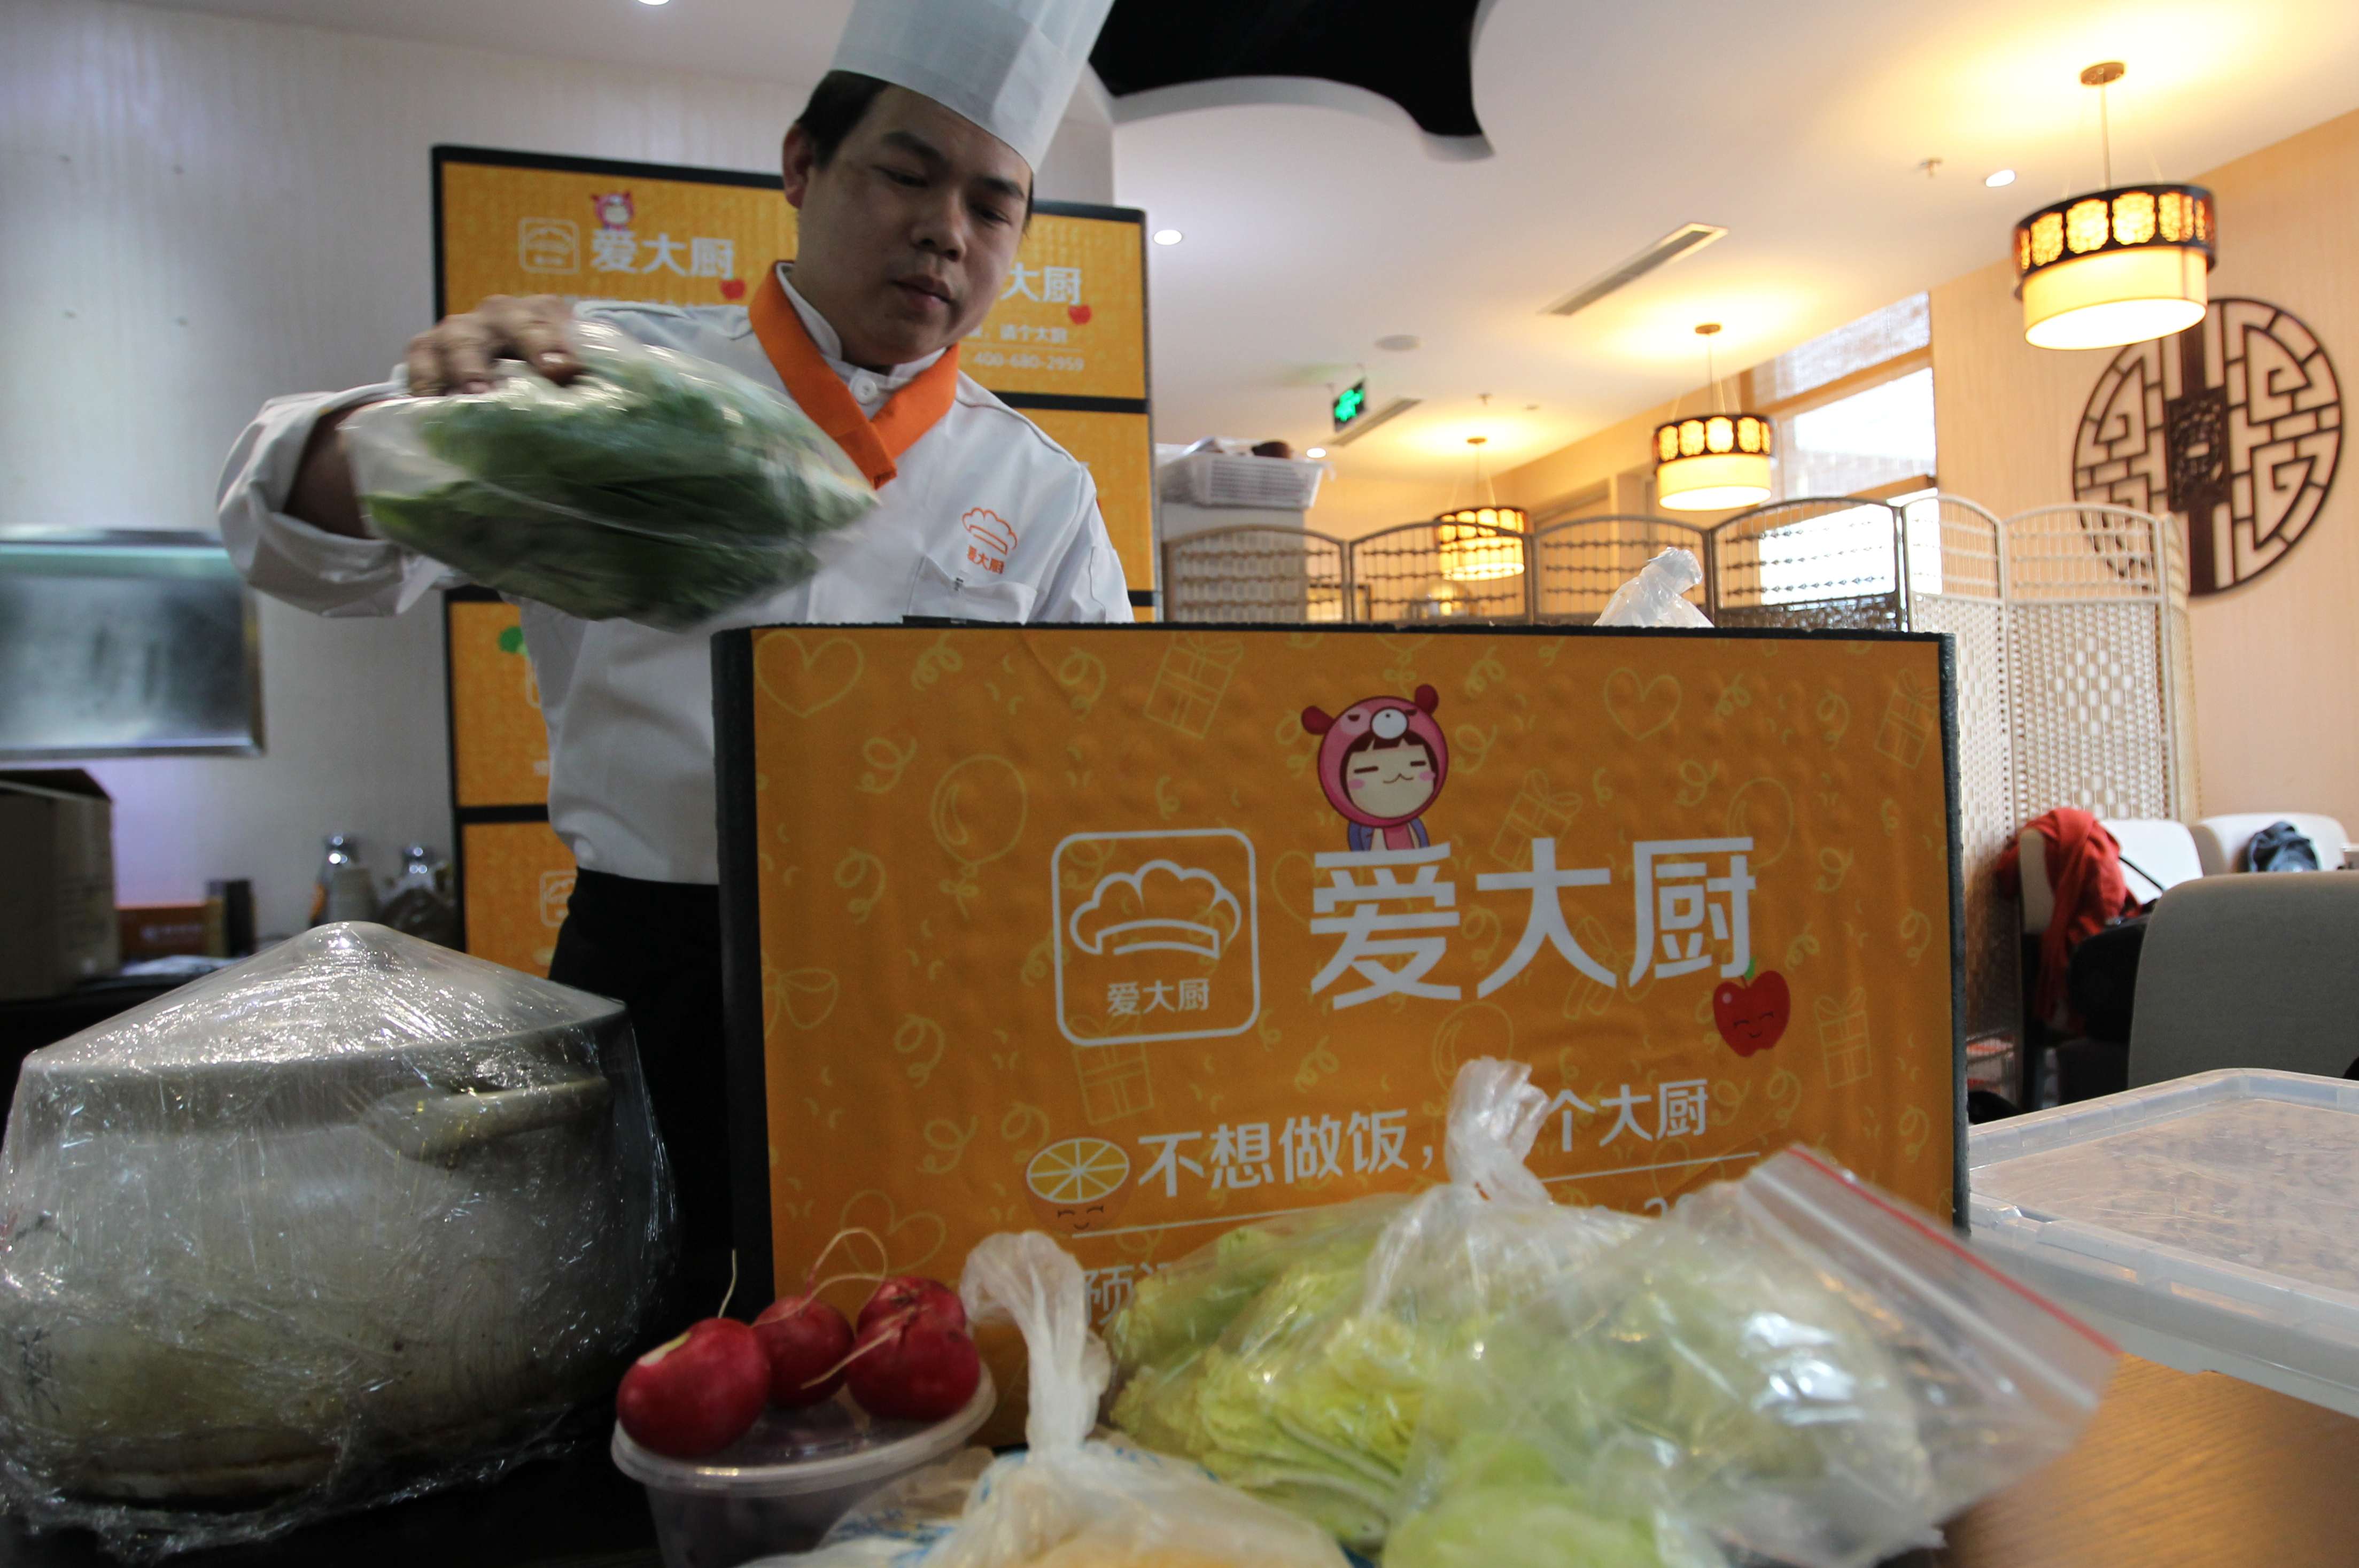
x,y
828,1447
2206,1222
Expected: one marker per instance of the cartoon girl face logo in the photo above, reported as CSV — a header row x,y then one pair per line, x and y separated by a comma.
x,y
614,209
1382,762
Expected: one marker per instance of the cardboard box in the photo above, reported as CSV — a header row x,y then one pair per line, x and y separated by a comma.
x,y
56,882
168,930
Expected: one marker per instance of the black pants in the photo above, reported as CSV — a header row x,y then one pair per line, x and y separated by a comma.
x,y
656,948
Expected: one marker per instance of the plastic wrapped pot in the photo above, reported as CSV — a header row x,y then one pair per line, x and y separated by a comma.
x,y
354,1219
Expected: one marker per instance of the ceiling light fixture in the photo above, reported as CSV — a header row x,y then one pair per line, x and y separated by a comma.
x,y
1712,463
2117,265
1315,452
1998,177
1162,236
652,2
1470,541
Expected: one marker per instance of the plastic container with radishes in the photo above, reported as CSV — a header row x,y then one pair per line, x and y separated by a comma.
x,y
755,1438
781,1486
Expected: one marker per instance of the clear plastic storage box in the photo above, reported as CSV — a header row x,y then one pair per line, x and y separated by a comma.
x,y
2210,1224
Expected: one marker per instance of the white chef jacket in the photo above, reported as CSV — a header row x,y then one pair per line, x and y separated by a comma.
x,y
629,709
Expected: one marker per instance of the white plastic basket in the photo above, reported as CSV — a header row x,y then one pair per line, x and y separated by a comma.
x,y
1217,479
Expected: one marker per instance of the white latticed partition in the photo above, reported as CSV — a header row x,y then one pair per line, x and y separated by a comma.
x,y
2100,662
1965,598
1257,573
2074,676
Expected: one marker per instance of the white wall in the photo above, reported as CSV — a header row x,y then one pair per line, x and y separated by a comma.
x,y
2276,660
204,211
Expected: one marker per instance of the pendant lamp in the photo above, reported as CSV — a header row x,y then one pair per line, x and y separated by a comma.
x,y
1467,538
1712,463
2117,265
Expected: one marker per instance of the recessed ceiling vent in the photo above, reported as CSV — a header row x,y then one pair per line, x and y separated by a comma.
x,y
1685,240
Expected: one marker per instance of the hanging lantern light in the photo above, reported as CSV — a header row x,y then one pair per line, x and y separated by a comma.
x,y
1712,463
1466,539
2117,265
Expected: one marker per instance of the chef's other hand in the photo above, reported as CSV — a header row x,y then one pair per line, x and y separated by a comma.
x,y
456,354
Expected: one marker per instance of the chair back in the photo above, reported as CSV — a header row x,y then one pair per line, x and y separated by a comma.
x,y
2156,855
2222,840
2249,971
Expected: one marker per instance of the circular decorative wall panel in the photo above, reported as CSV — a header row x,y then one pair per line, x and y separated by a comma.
x,y
2233,424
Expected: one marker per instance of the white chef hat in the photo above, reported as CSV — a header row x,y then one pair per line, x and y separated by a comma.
x,y
1007,65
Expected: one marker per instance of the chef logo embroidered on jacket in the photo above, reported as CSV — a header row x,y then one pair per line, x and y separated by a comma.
x,y
994,538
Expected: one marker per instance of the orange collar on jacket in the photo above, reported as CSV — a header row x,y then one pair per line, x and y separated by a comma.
x,y
873,445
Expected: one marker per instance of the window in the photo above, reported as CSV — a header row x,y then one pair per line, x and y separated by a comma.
x,y
1862,443
1855,412
1900,329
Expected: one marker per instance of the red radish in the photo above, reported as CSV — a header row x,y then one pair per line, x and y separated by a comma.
x,y
696,1394
806,1341
911,1293
918,1367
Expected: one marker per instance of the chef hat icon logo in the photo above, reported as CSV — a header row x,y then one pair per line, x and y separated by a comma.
x,y
990,530
1162,907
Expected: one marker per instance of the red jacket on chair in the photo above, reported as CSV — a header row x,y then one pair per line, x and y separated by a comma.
x,y
2085,867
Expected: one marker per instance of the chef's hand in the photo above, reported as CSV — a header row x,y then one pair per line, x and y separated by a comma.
x,y
455,355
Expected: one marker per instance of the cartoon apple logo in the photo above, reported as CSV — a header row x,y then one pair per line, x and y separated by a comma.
x,y
1078,314
733,289
1752,1014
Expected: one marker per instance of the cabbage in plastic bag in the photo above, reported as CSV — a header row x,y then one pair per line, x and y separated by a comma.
x,y
1791,1367
1072,1500
1296,1362
655,488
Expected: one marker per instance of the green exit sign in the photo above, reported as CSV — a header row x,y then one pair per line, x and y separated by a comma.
x,y
1350,403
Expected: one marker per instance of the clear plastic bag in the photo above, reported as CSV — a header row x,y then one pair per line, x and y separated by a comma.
x,y
1789,1367
655,488
354,1219
1294,1360
1070,1500
1656,597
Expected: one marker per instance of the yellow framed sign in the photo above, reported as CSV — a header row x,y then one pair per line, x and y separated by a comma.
x,y
1068,337
1134,933
516,882
499,745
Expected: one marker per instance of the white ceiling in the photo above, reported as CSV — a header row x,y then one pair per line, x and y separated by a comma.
x,y
1314,231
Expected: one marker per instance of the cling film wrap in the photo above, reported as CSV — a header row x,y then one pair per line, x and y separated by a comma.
x,y
356,1219
1788,1368
1069,1499
655,487
1294,1359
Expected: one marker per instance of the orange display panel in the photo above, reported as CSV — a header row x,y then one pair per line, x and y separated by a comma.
x,y
1113,931
1070,320
518,878
1120,455
499,743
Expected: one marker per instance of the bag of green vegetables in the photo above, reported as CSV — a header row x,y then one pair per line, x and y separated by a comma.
x,y
655,488
1293,1358
1791,1368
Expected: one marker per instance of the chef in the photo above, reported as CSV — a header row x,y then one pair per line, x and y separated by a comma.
x,y
911,171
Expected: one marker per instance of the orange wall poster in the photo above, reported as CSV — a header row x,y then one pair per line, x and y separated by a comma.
x,y
499,746
517,878
1070,322
1066,343
1120,455
1136,934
